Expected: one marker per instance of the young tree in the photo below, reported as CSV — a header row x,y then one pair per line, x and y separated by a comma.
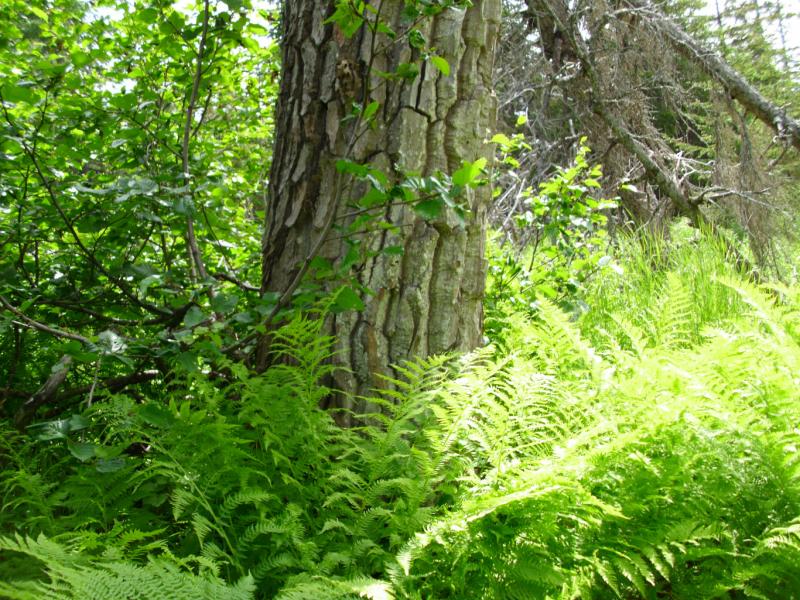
x,y
378,102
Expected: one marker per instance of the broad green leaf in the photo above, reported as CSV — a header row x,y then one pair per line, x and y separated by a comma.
x,y
441,64
429,209
110,465
39,13
156,414
224,303
147,15
370,110
416,39
408,71
17,93
346,18
469,173
194,316
347,299
83,451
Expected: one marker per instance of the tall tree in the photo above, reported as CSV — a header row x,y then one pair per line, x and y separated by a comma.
x,y
377,103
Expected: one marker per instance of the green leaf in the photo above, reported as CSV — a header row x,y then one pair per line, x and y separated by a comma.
x,y
347,299
441,64
78,422
110,465
429,209
408,71
187,361
469,173
370,110
39,13
353,168
57,429
373,197
416,39
17,93
81,450
147,15
346,18
149,281
155,414
501,139
224,303
194,316
321,265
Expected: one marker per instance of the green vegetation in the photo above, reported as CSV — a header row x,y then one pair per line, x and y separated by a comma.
x,y
173,427
648,448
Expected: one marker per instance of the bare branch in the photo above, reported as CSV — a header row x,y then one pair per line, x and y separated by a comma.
x,y
712,63
44,393
26,321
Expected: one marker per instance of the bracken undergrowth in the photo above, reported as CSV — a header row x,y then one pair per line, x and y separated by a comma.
x,y
644,448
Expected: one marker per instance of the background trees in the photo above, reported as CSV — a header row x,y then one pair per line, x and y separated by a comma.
x,y
661,111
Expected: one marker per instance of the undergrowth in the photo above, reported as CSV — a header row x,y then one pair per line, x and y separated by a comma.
x,y
645,446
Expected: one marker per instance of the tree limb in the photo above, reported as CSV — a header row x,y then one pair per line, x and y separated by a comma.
x,y
113,384
28,322
191,239
734,83
44,393
558,13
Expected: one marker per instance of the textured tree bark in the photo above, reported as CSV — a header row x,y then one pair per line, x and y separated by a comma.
x,y
427,300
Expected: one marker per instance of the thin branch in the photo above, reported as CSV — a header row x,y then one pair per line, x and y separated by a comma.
x,y
113,384
737,86
26,321
191,239
238,282
44,393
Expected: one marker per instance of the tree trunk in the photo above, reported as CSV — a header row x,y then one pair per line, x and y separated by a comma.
x,y
429,299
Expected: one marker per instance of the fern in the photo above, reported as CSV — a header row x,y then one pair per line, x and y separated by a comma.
x,y
323,588
646,448
76,576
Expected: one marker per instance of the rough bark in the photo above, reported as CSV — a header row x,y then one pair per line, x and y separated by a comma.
x,y
429,299
44,393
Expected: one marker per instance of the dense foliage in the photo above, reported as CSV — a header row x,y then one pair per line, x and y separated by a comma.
x,y
126,155
648,448
628,430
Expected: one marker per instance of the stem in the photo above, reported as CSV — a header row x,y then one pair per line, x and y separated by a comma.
x,y
191,239
26,321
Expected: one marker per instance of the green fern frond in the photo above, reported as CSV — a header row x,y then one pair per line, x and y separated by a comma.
x,y
73,576
324,588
